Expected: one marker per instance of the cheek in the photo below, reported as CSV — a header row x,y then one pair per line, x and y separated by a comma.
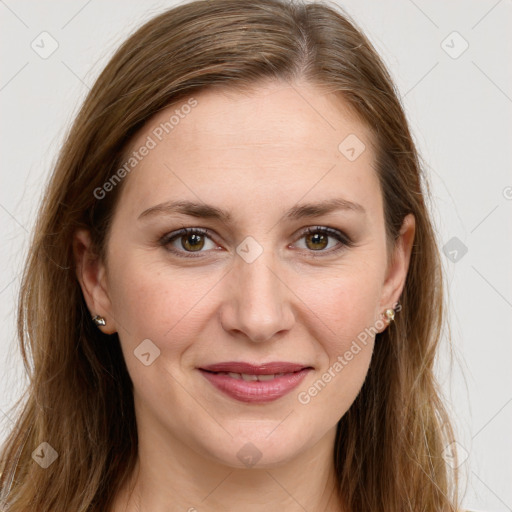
x,y
344,313
344,302
151,301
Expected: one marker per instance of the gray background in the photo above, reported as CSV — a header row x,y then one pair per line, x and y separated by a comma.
x,y
459,105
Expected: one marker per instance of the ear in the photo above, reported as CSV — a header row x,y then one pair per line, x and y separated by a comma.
x,y
91,274
396,272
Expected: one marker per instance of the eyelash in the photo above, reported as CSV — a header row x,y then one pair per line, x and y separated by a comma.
x,y
344,240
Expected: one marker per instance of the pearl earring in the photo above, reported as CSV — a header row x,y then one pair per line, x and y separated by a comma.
x,y
99,320
390,314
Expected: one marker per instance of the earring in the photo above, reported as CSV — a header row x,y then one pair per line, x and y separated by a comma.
x,y
390,315
99,320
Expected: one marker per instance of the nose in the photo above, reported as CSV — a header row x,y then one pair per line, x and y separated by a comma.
x,y
258,302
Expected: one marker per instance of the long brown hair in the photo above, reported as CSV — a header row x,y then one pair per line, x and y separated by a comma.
x,y
388,450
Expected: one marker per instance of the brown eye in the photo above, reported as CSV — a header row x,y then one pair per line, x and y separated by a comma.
x,y
189,242
316,241
192,242
323,241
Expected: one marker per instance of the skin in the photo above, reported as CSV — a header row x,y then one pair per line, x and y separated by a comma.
x,y
255,155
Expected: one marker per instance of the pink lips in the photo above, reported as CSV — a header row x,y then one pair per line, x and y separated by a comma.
x,y
255,383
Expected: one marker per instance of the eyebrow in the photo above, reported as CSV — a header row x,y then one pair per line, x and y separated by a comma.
x,y
206,211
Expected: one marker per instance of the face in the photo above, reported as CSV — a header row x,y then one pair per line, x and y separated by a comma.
x,y
274,262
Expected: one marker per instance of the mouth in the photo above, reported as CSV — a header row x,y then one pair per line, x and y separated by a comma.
x,y
250,383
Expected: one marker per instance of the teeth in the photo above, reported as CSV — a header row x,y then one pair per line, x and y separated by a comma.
x,y
251,378
248,378
266,377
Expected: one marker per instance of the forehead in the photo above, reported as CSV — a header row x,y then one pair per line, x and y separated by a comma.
x,y
226,143
274,115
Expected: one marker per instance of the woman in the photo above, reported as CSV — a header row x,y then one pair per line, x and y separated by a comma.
x,y
233,296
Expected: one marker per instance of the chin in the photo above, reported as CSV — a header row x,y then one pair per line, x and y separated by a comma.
x,y
263,445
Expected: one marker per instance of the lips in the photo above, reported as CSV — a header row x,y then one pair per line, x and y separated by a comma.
x,y
255,383
251,369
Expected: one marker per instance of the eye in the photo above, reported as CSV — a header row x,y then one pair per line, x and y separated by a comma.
x,y
317,239
188,240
